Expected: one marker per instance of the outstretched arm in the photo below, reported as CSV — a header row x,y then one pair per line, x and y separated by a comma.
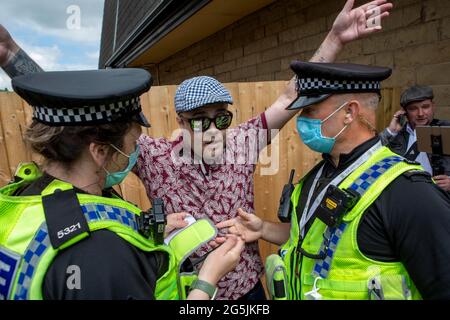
x,y
14,61
351,24
252,228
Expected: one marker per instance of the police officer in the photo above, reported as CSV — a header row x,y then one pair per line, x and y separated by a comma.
x,y
360,225
418,109
64,232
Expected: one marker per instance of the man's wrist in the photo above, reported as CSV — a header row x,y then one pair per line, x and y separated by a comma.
x,y
21,64
263,231
334,42
12,49
328,50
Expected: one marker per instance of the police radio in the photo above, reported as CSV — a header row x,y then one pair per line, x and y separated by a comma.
x,y
152,223
284,210
336,204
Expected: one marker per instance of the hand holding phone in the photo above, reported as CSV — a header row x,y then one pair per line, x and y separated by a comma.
x,y
398,121
403,119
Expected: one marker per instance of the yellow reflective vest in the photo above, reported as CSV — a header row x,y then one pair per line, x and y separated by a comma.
x,y
343,272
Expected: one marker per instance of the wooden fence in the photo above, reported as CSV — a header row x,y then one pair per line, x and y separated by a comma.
x,y
250,99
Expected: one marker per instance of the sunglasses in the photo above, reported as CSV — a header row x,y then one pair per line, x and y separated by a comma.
x,y
222,121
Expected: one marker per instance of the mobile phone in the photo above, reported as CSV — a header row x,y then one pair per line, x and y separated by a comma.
x,y
403,119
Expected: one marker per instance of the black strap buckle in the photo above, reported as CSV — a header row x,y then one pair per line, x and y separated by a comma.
x,y
322,253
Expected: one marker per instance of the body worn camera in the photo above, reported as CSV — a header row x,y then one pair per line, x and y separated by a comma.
x,y
336,204
152,223
284,210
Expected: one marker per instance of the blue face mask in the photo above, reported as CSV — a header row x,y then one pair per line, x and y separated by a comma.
x,y
310,131
116,178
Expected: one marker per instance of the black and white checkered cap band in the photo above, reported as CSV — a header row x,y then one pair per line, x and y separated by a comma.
x,y
305,85
88,114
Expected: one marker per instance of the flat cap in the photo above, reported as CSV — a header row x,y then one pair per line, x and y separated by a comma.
x,y
318,81
200,91
416,93
79,98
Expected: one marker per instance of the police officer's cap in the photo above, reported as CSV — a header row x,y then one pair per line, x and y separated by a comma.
x,y
318,81
84,98
416,93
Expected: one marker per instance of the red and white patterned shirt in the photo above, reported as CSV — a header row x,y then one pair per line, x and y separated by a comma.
x,y
216,195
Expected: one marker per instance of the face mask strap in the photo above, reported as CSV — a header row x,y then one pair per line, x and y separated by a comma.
x,y
340,132
120,151
336,111
331,115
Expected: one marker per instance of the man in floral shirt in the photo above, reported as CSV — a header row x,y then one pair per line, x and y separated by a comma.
x,y
215,191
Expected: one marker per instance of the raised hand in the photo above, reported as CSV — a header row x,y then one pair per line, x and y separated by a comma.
x,y
352,24
395,126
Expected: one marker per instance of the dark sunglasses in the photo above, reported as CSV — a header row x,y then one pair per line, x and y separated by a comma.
x,y
222,121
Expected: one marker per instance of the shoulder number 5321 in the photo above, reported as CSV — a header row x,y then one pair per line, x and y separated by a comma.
x,y
68,230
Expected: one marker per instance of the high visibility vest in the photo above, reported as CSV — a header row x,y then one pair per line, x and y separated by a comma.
x,y
27,248
342,271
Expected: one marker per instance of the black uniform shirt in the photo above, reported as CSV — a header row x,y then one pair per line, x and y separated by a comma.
x,y
110,267
409,222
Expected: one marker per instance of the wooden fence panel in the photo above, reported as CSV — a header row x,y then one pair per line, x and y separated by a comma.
x,y
13,128
250,99
5,173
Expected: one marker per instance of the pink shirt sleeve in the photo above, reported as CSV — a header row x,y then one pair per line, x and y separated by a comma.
x,y
151,149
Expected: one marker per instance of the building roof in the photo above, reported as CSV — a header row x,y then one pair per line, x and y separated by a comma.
x,y
158,29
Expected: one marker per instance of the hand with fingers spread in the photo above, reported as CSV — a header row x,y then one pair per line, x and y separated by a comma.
x,y
175,221
248,226
352,24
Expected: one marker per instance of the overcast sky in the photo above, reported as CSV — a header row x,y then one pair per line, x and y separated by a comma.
x,y
48,31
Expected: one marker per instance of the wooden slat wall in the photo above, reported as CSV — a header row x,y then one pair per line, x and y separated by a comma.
x,y
250,99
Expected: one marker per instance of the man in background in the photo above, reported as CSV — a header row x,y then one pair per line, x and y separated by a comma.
x,y
418,110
